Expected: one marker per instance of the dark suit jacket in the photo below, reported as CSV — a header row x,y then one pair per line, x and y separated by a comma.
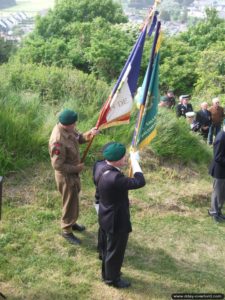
x,y
97,170
181,109
204,118
217,168
113,187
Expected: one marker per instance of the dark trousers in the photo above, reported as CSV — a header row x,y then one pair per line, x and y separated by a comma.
x,y
112,255
213,129
205,134
218,196
101,242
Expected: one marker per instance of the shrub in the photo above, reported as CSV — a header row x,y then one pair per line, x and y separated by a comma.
x,y
174,140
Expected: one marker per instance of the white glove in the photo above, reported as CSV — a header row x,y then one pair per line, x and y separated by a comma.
x,y
134,157
96,205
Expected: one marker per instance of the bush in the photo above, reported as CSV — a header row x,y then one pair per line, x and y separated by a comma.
x,y
53,84
174,140
19,131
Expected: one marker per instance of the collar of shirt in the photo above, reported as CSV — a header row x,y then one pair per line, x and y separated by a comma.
x,y
68,134
108,163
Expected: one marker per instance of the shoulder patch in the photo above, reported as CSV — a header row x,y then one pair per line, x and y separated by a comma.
x,y
56,148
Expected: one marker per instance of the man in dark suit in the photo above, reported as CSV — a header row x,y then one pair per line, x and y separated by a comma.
x,y
217,171
114,214
204,118
183,107
97,170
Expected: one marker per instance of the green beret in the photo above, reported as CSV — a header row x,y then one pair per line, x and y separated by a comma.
x,y
164,98
114,151
67,117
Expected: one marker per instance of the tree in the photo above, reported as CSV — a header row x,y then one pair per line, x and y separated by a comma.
x,y
211,71
6,50
188,59
108,51
177,66
205,32
70,11
67,37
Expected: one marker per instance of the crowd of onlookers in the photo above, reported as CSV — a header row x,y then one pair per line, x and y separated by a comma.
x,y
207,121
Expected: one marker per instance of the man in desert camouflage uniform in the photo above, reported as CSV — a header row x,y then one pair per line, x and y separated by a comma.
x,y
65,159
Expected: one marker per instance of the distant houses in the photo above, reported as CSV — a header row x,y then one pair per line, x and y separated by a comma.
x,y
197,8
7,24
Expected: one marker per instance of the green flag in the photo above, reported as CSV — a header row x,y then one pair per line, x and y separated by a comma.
x,y
147,129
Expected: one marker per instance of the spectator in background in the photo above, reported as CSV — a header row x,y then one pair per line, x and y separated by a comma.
x,y
183,107
168,100
194,124
217,113
171,99
204,118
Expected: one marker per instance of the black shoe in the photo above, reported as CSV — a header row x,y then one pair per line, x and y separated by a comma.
x,y
71,238
78,227
121,284
218,219
221,216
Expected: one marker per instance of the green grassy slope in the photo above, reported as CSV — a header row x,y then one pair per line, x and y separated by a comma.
x,y
174,246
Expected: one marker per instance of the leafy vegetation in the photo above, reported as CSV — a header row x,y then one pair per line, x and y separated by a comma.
x,y
7,48
80,34
193,61
175,141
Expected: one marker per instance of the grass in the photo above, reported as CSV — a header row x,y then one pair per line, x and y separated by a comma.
x,y
174,247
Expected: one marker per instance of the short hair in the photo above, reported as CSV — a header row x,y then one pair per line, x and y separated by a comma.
x,y
204,103
216,99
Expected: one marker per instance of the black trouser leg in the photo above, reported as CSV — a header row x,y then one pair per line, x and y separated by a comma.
x,y
113,255
103,250
101,242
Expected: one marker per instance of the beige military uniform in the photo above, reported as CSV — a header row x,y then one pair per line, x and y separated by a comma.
x,y
65,157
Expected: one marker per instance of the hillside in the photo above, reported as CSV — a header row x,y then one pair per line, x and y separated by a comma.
x,y
171,249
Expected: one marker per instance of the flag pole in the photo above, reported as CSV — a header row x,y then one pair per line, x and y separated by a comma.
x,y
97,127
